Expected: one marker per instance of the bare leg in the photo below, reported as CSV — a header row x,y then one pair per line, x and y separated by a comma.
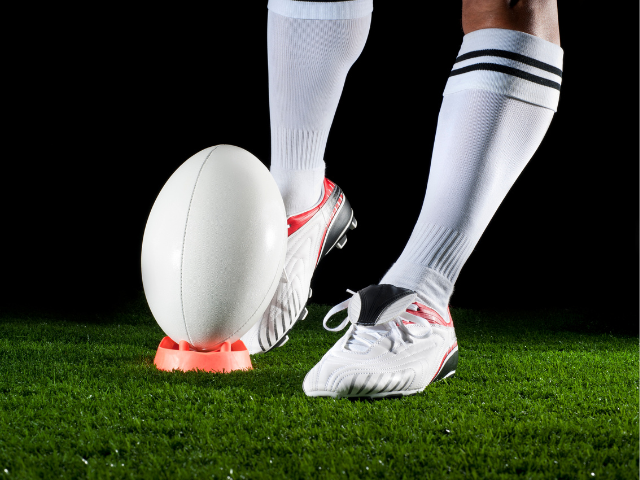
x,y
535,17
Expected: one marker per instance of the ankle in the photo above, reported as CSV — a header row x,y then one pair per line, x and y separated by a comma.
x,y
434,289
300,189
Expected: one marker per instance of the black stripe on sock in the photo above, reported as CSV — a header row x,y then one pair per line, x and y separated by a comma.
x,y
511,56
509,71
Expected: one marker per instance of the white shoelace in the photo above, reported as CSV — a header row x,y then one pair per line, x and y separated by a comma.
x,y
362,337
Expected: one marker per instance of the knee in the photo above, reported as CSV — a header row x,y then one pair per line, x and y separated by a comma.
x,y
536,17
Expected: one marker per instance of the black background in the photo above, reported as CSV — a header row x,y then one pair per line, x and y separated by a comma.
x,y
107,103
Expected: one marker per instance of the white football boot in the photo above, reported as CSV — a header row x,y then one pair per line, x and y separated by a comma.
x,y
312,235
395,346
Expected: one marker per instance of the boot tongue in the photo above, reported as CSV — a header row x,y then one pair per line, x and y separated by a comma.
x,y
379,304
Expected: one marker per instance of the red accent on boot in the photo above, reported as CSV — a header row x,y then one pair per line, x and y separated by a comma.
x,y
431,315
297,221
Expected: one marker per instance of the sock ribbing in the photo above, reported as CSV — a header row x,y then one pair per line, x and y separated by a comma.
x,y
442,249
497,107
309,58
298,149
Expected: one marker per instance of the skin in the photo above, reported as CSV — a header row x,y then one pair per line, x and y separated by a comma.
x,y
535,17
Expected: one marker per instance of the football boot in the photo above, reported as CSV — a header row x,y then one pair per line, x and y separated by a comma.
x,y
394,346
312,235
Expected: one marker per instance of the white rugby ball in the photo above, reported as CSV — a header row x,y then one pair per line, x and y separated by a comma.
x,y
214,247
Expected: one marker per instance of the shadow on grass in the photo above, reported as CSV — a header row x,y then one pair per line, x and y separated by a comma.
x,y
267,380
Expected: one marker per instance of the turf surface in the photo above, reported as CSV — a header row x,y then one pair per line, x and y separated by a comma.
x,y
536,395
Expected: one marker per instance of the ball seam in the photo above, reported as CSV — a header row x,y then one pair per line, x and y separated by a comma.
x,y
184,237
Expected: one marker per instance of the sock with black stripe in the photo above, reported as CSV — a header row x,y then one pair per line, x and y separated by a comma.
x,y
498,103
311,47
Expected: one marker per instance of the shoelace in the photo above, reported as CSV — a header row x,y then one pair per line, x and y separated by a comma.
x,y
362,337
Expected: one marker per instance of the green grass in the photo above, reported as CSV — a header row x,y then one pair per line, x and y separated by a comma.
x,y
536,395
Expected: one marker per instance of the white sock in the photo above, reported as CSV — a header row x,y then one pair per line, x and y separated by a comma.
x,y
497,107
311,46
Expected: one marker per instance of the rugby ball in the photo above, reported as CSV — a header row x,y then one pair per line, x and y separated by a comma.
x,y
213,248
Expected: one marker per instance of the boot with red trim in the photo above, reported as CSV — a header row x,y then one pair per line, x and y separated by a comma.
x,y
312,235
395,346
